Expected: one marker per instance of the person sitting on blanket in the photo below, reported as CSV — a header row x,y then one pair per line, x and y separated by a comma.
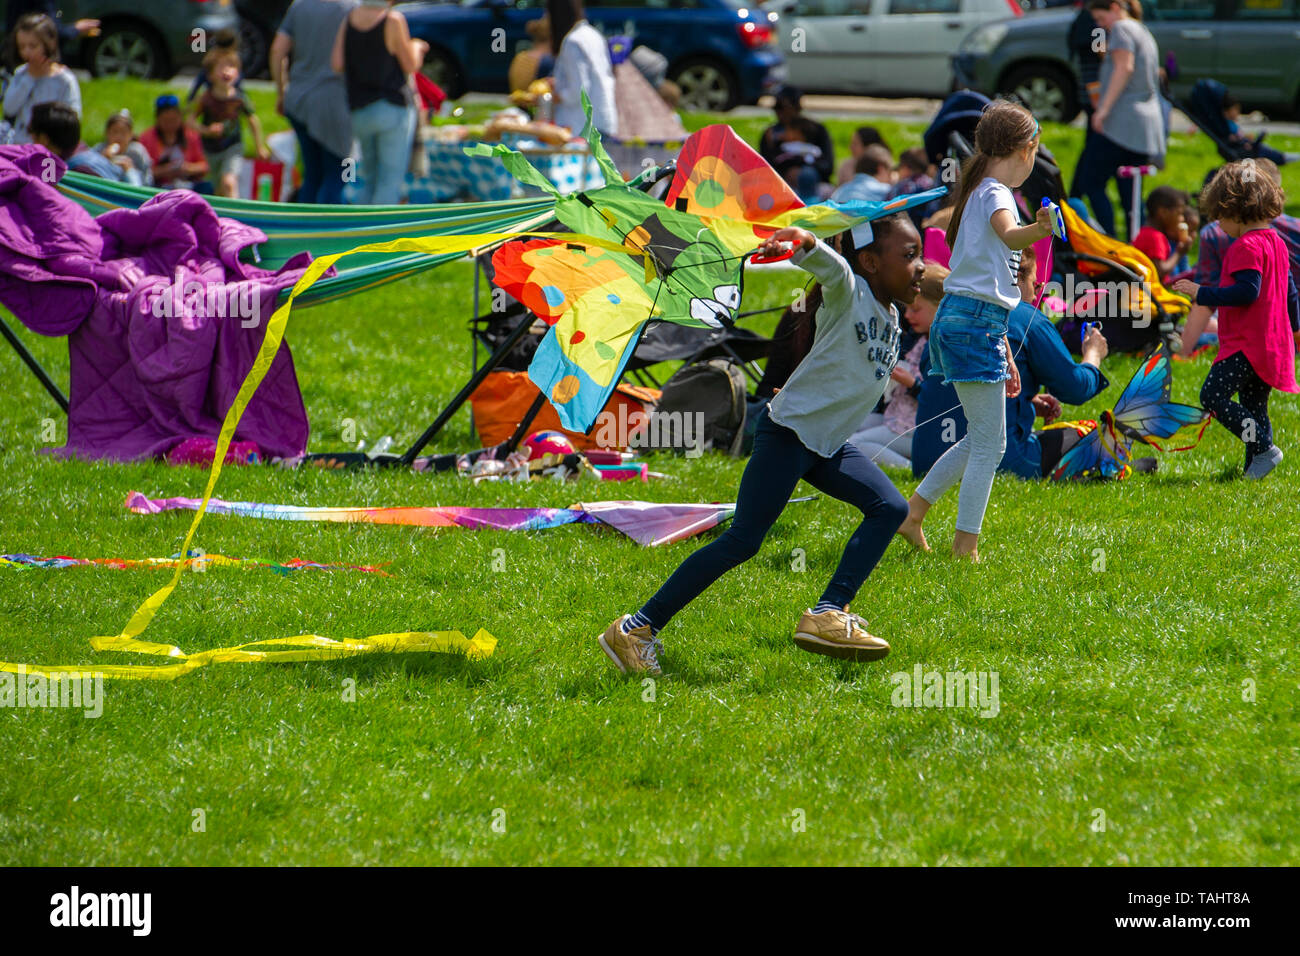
x,y
1209,265
1043,362
862,137
873,178
886,437
123,150
56,127
788,108
1164,238
796,161
914,177
174,148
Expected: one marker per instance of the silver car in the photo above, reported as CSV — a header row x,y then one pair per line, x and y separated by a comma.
x,y
1251,46
878,47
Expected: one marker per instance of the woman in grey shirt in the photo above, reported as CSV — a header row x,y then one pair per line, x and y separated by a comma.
x,y
1127,128
313,97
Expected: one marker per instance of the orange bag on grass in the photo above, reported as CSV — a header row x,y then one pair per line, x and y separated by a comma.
x,y
504,398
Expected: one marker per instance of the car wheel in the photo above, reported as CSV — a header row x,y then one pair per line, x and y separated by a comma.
x,y
128,51
1048,92
254,48
441,67
707,86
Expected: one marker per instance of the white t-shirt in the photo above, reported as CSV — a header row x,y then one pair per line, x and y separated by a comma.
x,y
583,64
983,267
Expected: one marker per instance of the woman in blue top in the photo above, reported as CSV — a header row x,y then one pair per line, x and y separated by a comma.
x,y
1043,362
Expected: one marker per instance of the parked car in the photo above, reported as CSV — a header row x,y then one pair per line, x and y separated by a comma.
x,y
258,21
142,38
1248,45
878,47
719,52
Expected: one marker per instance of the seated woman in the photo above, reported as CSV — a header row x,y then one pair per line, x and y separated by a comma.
x,y
125,151
41,78
886,438
174,148
1043,362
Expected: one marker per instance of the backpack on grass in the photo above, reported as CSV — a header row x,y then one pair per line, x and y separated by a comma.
x,y
703,406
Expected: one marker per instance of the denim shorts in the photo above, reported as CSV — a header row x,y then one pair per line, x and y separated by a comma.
x,y
966,340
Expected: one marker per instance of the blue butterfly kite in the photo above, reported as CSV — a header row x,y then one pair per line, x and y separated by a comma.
x,y
1143,413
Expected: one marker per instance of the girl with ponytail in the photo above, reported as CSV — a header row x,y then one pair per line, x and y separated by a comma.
x,y
968,340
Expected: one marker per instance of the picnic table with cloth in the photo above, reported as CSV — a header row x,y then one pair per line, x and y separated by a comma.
x,y
453,175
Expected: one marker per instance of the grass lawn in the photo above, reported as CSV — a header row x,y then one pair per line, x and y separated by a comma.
x,y
1142,633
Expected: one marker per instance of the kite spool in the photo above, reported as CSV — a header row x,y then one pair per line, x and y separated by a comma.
x,y
760,260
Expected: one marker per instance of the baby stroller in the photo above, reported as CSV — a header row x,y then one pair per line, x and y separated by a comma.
x,y
1204,107
951,134
1106,281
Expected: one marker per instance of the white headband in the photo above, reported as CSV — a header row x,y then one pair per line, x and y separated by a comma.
x,y
862,235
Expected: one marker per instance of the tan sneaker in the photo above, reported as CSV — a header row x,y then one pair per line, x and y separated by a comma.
x,y
839,634
636,652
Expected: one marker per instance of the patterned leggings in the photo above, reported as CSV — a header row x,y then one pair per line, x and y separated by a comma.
x,y
1247,419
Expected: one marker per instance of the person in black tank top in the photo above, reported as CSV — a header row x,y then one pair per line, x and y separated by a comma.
x,y
372,72
377,56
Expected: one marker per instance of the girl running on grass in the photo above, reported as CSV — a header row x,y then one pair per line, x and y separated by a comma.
x,y
968,340
804,434
1254,297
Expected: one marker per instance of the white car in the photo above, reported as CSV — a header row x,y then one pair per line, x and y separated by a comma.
x,y
879,47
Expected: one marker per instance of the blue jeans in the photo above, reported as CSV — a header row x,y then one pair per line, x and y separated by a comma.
x,y
967,340
322,171
1098,164
385,132
780,459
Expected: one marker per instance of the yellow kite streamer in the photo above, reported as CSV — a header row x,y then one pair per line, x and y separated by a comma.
x,y
481,644
310,647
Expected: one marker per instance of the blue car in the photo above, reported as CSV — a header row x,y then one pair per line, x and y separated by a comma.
x,y
720,52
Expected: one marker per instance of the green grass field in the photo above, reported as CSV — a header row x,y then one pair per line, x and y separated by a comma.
x,y
1143,634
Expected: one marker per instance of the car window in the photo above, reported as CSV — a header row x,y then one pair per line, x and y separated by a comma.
x,y
832,8
924,6
1180,9
1266,10
646,4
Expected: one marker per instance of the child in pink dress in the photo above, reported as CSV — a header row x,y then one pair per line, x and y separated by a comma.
x,y
1257,306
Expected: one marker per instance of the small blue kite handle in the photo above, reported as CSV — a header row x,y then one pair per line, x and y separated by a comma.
x,y
1058,221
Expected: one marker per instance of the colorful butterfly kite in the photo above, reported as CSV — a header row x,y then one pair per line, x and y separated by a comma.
x,y
677,259
1143,413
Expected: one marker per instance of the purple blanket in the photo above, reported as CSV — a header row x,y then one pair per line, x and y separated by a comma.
x,y
163,320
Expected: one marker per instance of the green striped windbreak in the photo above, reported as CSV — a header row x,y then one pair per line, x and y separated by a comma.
x,y
292,228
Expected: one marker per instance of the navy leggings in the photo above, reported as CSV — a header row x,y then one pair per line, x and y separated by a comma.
x,y
1232,375
780,459
322,171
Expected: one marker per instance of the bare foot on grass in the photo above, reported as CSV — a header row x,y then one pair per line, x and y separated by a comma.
x,y
965,545
911,530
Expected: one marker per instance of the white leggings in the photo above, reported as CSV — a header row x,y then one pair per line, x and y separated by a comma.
x,y
974,460
884,446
